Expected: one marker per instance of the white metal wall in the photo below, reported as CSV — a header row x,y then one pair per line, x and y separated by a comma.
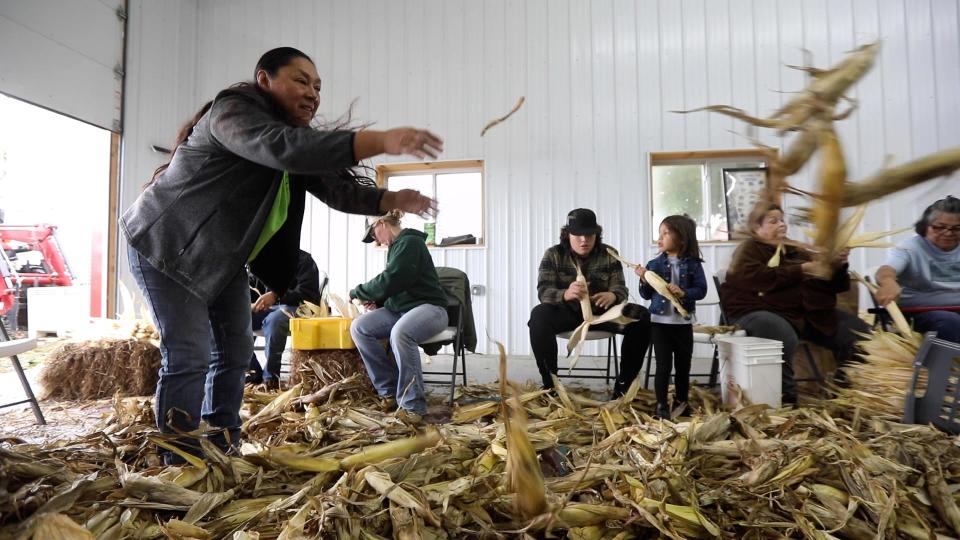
x,y
599,78
62,55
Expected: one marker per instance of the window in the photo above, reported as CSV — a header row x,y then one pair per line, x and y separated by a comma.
x,y
692,183
457,187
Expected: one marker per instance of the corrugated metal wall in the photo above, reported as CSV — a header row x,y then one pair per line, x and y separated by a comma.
x,y
599,78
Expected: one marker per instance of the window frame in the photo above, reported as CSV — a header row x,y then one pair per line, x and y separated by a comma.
x,y
386,170
767,155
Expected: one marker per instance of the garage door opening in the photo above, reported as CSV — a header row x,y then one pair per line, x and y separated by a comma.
x,y
54,208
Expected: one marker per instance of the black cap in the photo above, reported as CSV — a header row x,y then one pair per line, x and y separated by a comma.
x,y
582,222
368,236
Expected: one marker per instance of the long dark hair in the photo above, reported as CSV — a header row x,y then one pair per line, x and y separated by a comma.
x,y
271,62
684,230
565,241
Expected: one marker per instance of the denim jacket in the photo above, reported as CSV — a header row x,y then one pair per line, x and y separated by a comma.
x,y
692,281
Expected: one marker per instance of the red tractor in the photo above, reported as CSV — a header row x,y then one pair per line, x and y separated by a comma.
x,y
31,257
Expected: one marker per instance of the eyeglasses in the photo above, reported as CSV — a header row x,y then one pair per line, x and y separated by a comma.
x,y
940,229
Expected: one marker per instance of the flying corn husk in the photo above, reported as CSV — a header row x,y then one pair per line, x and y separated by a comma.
x,y
522,475
820,97
894,179
825,213
892,308
496,121
393,449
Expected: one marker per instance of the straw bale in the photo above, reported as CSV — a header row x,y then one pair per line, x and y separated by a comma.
x,y
100,369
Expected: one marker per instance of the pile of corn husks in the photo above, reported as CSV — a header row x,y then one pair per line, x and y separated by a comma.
x,y
317,464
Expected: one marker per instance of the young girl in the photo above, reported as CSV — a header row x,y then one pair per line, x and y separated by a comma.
x,y
672,335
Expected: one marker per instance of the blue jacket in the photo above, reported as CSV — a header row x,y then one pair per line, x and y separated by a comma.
x,y
692,281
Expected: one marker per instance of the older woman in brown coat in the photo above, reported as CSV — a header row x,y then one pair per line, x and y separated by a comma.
x,y
786,301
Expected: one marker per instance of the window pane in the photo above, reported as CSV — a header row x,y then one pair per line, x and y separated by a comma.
x,y
460,196
677,189
420,182
718,229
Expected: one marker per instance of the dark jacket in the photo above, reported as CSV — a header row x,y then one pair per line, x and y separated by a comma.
x,y
456,284
557,271
305,285
409,280
751,285
692,281
199,220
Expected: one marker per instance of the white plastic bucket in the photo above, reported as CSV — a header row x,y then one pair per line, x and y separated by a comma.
x,y
753,366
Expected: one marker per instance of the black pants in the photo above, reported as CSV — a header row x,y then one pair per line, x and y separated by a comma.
x,y
673,346
548,320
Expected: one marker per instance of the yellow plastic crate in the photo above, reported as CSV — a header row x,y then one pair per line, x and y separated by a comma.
x,y
324,333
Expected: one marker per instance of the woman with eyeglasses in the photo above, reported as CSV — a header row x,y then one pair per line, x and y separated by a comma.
x,y
924,271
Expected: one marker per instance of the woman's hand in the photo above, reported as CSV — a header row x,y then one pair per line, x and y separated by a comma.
x,y
264,302
575,291
640,271
841,258
370,306
604,299
889,291
410,201
411,141
677,291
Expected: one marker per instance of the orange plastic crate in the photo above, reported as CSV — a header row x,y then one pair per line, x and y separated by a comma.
x,y
324,333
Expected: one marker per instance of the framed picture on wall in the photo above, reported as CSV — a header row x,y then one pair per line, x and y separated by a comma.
x,y
742,189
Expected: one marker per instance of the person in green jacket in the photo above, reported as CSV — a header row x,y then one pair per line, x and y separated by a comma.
x,y
405,303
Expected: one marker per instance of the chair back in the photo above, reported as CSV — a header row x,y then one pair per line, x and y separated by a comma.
x,y
940,404
718,277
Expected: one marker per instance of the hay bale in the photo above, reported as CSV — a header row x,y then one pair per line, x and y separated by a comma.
x,y
319,368
100,369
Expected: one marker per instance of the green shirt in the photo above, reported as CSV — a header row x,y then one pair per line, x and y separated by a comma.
x,y
276,218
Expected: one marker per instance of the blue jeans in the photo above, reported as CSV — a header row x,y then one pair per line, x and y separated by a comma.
x,y
945,323
205,350
403,377
276,327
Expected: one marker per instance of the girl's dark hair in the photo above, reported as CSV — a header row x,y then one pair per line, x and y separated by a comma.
x,y
271,62
684,231
948,205
565,240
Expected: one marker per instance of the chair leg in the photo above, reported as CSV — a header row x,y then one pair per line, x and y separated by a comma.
x,y
37,413
811,361
714,366
453,378
649,363
616,360
610,344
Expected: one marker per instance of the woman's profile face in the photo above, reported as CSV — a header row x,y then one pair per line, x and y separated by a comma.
x,y
296,87
772,227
